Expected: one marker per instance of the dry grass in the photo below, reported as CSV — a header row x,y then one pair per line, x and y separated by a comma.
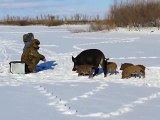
x,y
101,25
47,20
25,22
135,13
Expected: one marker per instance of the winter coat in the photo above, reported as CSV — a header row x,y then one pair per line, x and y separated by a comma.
x,y
31,56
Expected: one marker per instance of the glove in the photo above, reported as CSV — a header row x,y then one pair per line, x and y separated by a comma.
x,y
44,60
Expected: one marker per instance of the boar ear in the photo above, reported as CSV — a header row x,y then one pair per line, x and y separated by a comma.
x,y
106,58
73,59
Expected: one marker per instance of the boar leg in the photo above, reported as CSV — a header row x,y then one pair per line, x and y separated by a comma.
x,y
96,71
91,74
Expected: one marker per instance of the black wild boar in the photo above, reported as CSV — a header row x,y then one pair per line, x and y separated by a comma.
x,y
92,57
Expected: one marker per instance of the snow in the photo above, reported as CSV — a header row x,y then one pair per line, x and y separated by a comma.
x,y
56,92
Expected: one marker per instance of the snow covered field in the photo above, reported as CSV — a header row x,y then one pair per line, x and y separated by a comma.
x,y
57,93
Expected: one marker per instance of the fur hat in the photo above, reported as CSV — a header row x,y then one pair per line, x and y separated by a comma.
x,y
25,37
28,37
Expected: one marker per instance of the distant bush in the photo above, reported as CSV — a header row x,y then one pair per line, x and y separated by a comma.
x,y
101,25
137,13
47,20
16,22
53,22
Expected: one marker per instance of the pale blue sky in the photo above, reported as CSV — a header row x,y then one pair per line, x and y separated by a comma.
x,y
54,7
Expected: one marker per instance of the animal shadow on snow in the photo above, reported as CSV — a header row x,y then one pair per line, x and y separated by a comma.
x,y
101,71
45,66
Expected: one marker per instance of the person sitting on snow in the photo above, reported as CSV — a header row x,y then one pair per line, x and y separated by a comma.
x,y
31,56
27,39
